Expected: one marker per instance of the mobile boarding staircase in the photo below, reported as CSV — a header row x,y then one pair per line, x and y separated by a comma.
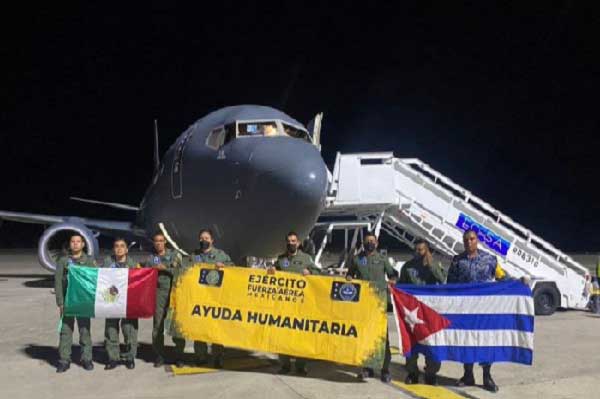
x,y
407,199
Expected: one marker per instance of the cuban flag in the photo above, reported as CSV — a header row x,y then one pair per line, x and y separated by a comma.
x,y
467,323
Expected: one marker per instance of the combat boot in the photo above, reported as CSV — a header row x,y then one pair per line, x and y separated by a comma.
x,y
159,362
430,379
412,378
467,379
365,373
111,365
87,365
489,384
62,367
386,377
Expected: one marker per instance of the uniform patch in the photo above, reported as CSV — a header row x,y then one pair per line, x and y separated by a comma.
x,y
211,277
113,265
156,260
197,258
346,292
285,263
363,261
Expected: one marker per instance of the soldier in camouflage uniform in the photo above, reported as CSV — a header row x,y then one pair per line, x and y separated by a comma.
x,y
77,257
421,270
167,262
294,261
474,266
120,259
372,266
207,253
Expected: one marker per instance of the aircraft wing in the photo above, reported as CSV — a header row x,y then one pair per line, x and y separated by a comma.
x,y
95,224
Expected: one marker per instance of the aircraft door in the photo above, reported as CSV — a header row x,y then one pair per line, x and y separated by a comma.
x,y
176,170
314,128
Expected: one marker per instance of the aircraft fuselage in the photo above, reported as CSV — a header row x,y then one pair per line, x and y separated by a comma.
x,y
250,191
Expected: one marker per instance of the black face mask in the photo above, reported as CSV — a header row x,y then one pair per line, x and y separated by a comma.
x,y
370,247
204,245
291,248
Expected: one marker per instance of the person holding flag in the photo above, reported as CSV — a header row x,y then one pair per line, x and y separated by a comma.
x,y
472,266
370,265
120,259
76,256
482,315
422,270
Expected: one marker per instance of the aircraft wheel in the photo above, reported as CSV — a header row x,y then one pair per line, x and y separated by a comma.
x,y
545,300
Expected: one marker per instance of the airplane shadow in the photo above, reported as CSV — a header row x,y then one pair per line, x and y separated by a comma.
x,y
32,275
42,280
47,282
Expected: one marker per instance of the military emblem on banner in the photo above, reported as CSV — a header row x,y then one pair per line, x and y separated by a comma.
x,y
346,292
211,277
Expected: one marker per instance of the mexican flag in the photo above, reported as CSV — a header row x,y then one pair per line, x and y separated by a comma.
x,y
110,292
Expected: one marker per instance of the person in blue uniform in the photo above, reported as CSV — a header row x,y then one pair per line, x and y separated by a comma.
x,y
474,266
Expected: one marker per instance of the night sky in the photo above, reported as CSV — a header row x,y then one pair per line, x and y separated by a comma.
x,y
502,100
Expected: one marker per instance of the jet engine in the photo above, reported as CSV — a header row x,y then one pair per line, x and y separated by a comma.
x,y
55,242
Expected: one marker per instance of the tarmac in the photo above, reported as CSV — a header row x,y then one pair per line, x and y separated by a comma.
x,y
566,359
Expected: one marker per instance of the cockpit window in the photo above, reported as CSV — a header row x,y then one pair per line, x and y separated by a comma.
x,y
295,132
265,128
229,133
215,138
258,129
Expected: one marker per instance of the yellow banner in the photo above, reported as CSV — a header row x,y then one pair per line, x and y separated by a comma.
x,y
317,317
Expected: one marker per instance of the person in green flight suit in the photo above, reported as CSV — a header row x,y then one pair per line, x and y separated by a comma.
x,y
421,270
78,257
294,261
372,266
120,259
167,262
207,253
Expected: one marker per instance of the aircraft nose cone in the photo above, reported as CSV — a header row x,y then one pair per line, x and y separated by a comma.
x,y
290,170
287,191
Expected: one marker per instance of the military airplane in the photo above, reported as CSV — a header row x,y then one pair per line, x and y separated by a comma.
x,y
249,173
